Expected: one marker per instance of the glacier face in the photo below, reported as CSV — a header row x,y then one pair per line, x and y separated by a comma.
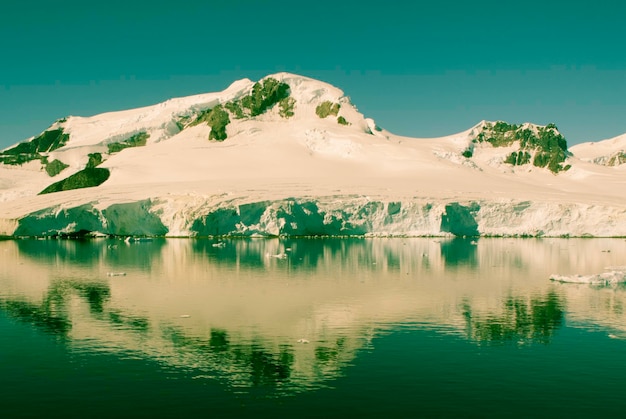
x,y
327,216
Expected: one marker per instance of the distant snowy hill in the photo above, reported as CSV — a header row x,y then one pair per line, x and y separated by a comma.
x,y
610,152
289,155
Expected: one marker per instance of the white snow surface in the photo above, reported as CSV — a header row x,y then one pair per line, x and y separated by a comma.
x,y
303,175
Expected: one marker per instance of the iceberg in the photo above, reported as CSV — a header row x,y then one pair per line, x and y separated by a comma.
x,y
605,278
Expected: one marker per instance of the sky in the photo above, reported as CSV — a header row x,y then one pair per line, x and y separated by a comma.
x,y
420,69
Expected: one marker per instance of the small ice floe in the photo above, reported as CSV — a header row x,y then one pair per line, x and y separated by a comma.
x,y
303,341
277,256
219,244
131,239
605,278
116,273
185,316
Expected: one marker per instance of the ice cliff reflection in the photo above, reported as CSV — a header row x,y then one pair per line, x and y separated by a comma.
x,y
291,315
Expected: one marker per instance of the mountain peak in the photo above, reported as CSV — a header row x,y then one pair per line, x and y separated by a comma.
x,y
525,144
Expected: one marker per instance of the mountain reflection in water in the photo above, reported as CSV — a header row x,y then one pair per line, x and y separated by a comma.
x,y
291,315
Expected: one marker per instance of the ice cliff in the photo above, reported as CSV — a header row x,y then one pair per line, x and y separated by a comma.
x,y
326,216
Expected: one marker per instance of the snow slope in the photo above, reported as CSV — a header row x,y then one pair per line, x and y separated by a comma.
x,y
610,152
301,175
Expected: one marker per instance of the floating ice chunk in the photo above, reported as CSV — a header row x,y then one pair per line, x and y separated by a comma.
x,y
130,239
278,256
605,278
116,273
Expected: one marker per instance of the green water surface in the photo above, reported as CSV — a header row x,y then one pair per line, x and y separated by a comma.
x,y
310,328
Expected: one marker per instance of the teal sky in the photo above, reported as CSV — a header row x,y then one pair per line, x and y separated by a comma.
x,y
418,68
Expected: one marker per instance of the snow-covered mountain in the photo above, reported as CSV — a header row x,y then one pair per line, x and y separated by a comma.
x,y
289,155
610,152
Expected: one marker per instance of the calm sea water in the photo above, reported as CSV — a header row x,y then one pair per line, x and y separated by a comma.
x,y
310,328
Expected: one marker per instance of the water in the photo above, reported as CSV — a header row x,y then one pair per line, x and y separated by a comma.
x,y
310,328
